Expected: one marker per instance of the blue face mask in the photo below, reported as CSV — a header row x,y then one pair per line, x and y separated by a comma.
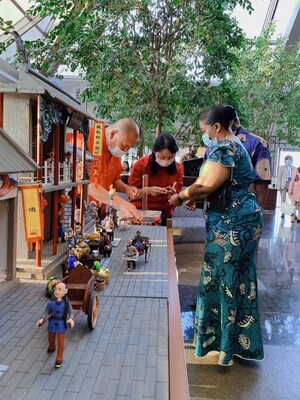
x,y
288,162
207,140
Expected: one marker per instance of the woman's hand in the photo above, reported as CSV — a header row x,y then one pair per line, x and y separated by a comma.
x,y
174,200
131,192
155,191
170,190
190,205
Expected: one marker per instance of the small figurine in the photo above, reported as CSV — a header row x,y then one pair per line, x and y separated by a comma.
x,y
107,245
138,242
111,193
77,229
131,255
60,231
59,313
72,259
97,225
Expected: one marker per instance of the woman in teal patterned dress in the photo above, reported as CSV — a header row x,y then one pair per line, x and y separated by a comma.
x,y
227,314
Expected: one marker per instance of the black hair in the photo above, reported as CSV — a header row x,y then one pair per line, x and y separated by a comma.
x,y
162,142
222,114
126,162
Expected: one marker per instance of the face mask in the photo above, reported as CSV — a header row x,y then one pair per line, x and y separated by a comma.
x,y
207,140
116,151
164,163
288,162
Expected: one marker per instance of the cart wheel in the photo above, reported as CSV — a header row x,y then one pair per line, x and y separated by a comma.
x,y
147,252
93,310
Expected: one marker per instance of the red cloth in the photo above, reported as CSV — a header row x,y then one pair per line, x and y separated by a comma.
x,y
161,179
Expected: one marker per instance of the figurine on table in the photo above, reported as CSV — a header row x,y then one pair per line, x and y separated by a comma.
x,y
97,225
106,245
72,259
59,313
111,193
138,242
131,255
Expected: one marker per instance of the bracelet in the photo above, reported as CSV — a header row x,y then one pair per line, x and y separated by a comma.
x,y
180,199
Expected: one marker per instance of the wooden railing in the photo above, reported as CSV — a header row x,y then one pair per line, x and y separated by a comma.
x,y
178,380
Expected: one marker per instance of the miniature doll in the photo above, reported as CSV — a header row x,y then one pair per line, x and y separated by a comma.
x,y
111,193
107,245
97,225
72,259
59,313
60,231
138,242
131,254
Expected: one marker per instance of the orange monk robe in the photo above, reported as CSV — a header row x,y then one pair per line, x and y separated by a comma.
x,y
104,169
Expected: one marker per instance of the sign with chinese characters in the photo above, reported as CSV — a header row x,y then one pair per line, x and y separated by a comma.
x,y
98,139
32,210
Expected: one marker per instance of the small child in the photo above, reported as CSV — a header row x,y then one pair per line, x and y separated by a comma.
x,y
59,312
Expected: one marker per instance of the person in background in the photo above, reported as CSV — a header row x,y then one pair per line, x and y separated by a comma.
x,y
284,178
126,167
294,192
191,154
227,314
165,176
118,138
259,153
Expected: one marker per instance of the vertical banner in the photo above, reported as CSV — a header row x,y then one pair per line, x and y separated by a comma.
x,y
32,211
98,139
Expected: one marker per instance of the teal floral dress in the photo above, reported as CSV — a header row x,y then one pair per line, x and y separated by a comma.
x,y
227,314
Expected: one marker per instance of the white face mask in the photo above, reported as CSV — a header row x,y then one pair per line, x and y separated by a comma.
x,y
116,151
164,163
207,140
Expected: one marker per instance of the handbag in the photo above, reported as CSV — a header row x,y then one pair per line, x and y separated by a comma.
x,y
287,208
220,198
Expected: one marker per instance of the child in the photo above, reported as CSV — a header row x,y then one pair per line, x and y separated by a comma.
x,y
131,254
59,312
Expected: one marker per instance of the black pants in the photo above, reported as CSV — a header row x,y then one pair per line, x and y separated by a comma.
x,y
133,264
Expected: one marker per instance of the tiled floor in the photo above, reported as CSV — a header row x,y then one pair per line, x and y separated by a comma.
x,y
124,358
277,377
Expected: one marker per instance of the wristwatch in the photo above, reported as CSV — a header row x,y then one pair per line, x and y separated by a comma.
x,y
180,199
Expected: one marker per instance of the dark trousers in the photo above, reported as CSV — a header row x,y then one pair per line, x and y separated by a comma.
x,y
133,264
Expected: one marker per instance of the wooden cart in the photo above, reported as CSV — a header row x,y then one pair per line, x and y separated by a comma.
x,y
81,283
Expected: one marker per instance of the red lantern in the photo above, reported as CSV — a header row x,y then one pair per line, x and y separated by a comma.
x,y
63,199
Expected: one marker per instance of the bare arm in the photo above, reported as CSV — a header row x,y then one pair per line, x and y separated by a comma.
x,y
102,195
261,190
213,175
120,186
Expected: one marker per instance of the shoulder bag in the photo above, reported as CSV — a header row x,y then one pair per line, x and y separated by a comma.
x,y
219,200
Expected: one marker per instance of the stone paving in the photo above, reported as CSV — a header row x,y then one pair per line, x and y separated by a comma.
x,y
124,357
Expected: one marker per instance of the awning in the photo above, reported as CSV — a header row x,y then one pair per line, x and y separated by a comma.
x,y
32,82
13,158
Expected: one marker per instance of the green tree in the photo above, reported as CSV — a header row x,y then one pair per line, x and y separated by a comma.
x,y
266,88
149,59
